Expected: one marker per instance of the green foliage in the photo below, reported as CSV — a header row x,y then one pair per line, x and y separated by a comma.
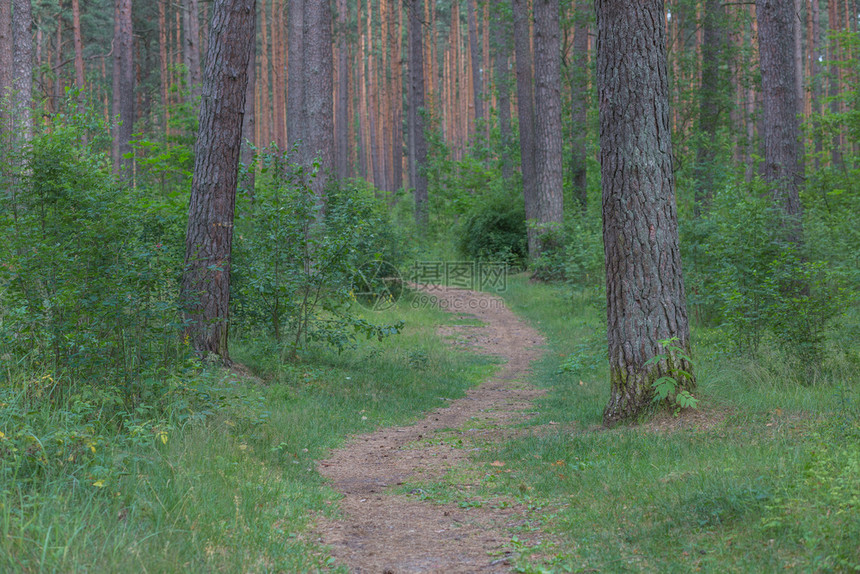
x,y
748,279
668,387
495,229
577,253
295,262
90,267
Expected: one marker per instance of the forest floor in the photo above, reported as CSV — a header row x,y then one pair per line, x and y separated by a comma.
x,y
387,526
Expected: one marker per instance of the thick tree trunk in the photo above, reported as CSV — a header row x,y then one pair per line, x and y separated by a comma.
x,y
548,144
525,107
417,141
644,287
579,109
22,73
475,62
501,53
295,81
123,88
191,46
208,242
6,62
783,169
342,92
713,92
318,91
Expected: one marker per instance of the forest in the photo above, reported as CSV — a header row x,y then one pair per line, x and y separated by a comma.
x,y
429,286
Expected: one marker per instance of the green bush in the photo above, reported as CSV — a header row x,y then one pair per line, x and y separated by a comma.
x,y
494,229
89,268
295,262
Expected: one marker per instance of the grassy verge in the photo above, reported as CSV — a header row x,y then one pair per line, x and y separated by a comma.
x,y
764,477
226,481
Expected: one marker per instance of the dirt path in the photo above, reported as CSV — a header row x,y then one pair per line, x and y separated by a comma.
x,y
385,532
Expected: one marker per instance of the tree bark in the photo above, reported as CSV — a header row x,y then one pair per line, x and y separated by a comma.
x,y
501,54
783,169
417,141
295,82
22,73
319,103
525,108
579,110
123,88
79,50
475,62
342,92
6,60
208,242
713,92
548,144
191,46
249,122
644,286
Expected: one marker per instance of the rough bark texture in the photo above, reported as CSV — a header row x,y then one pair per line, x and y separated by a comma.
x,y
644,286
342,138
475,61
191,45
6,59
548,145
713,93
525,107
319,99
417,141
783,169
579,107
501,54
208,242
22,72
123,87
295,84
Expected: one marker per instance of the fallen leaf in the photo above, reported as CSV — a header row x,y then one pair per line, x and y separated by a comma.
x,y
497,463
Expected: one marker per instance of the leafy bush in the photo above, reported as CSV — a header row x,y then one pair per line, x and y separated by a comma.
x,y
494,229
89,268
295,261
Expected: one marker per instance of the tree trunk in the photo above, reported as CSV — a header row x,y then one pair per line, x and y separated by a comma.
x,y
249,122
417,141
162,64
79,50
208,242
475,62
265,115
782,146
396,95
22,73
525,108
501,53
319,103
579,110
548,145
191,46
7,60
712,94
342,92
123,88
816,55
295,82
644,286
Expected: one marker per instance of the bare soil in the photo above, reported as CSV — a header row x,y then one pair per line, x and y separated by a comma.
x,y
385,531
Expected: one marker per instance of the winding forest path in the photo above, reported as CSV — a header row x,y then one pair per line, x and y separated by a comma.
x,y
387,532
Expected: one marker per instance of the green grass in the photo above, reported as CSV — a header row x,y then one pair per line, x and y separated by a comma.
x,y
772,482
233,491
